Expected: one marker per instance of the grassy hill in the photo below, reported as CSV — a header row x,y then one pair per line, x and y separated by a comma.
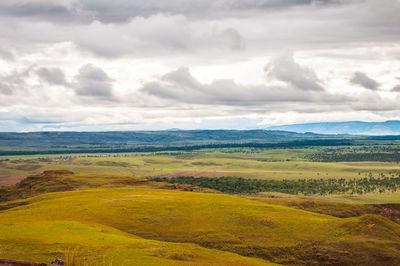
x,y
129,221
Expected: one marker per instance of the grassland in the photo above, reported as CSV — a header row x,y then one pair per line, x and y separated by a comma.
x,y
101,209
278,164
129,221
267,164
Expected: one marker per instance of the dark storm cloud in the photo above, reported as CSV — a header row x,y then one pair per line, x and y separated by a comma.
x,y
181,86
93,81
284,68
363,80
53,76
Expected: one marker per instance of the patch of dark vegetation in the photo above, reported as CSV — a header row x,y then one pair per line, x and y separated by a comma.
x,y
12,205
175,256
63,180
119,182
48,181
322,253
28,167
300,186
350,253
338,209
5,262
56,173
111,163
188,147
206,163
390,211
354,157
22,165
182,187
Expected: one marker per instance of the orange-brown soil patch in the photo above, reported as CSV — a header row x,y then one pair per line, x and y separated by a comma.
x,y
11,179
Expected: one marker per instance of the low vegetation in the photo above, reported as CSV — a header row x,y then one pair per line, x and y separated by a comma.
x,y
300,186
355,157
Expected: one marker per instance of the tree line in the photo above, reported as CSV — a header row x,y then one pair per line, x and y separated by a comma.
x,y
301,186
259,145
354,157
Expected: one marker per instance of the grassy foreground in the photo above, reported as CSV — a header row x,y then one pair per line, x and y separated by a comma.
x,y
123,220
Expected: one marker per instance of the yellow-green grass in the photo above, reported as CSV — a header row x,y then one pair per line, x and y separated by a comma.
x,y
63,180
96,244
145,225
333,208
367,198
205,164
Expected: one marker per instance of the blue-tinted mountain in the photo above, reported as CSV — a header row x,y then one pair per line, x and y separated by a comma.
x,y
390,127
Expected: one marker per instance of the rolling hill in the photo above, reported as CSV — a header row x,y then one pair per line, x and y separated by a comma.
x,y
130,221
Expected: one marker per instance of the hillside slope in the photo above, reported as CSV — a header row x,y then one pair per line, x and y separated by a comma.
x,y
143,224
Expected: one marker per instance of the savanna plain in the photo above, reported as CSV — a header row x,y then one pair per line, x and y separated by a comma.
x,y
308,205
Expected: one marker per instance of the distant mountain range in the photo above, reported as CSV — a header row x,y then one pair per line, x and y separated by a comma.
x,y
12,143
390,127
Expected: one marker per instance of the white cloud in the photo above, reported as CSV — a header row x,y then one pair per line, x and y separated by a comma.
x,y
118,64
284,68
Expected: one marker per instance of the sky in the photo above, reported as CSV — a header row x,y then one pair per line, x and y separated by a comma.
x,y
90,65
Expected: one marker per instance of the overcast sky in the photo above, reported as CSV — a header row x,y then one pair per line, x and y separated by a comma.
x,y
242,64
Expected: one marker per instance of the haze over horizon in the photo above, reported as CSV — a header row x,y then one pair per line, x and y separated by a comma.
x,y
134,65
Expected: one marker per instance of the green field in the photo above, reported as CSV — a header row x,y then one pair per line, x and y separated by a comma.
x,y
277,164
268,164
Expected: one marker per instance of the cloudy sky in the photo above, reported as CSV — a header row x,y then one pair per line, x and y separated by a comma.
x,y
130,64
